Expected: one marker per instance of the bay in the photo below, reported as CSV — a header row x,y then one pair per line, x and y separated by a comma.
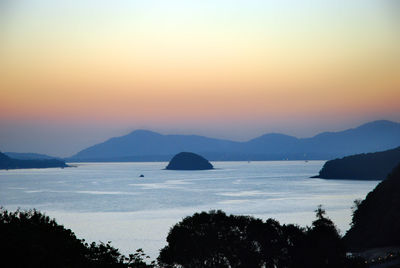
x,y
111,202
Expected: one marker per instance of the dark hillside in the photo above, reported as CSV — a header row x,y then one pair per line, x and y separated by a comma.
x,y
376,221
371,166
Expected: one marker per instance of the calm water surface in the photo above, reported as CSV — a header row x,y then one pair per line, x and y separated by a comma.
x,y
109,202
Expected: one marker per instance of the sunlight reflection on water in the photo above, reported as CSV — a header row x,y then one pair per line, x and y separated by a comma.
x,y
110,202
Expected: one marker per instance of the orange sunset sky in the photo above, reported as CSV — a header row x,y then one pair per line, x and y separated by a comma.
x,y
73,73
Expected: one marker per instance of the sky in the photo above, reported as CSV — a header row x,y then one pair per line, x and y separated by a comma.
x,y
75,73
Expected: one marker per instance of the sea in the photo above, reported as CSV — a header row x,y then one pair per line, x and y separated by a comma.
x,y
112,202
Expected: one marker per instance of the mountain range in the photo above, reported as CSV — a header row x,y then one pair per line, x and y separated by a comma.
x,y
30,156
144,145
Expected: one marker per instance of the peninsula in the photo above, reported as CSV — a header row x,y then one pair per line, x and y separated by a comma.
x,y
371,166
7,162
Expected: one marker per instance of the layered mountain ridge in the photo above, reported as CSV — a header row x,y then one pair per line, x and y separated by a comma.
x,y
145,145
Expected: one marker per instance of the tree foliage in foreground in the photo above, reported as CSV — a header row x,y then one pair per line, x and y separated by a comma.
x,y
31,239
215,239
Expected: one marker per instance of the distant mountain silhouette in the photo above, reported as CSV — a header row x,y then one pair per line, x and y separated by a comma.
x,y
29,156
150,145
11,163
143,145
371,166
188,161
371,137
376,220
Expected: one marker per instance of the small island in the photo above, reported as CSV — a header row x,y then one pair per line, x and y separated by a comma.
x,y
189,161
12,163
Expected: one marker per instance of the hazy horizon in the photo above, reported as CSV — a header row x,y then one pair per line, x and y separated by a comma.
x,y
75,73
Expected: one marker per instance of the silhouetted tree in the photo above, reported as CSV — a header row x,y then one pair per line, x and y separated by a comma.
x,y
31,239
325,246
216,240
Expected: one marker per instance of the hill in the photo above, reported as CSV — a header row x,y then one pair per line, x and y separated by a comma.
x,y
371,166
147,144
376,221
11,163
144,145
188,161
